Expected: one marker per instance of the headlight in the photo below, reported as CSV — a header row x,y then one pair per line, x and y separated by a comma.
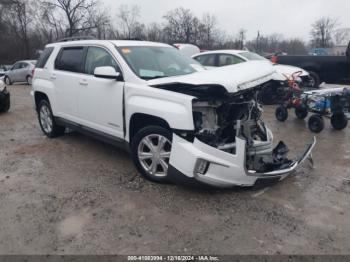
x,y
2,86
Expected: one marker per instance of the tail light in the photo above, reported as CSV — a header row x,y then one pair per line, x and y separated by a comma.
x,y
274,59
33,71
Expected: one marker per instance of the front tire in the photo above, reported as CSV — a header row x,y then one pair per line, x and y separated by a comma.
x,y
339,121
281,113
8,81
150,150
47,121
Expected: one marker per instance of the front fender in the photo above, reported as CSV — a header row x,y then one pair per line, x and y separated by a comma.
x,y
174,108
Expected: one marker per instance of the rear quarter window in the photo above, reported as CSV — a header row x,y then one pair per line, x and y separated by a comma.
x,y
70,59
45,55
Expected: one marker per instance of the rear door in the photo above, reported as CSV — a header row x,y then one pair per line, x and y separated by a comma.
x,y
100,101
22,72
14,72
66,79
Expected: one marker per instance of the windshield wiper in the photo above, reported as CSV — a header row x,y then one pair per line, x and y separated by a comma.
x,y
153,77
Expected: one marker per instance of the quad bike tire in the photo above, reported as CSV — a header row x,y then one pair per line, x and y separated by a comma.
x,y
316,124
301,112
339,121
281,113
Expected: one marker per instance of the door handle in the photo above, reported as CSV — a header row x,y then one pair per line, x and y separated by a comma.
x,y
53,76
83,82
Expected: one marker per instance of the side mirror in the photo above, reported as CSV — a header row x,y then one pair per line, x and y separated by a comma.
x,y
107,72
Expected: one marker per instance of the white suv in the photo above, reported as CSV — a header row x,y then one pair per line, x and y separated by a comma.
x,y
180,122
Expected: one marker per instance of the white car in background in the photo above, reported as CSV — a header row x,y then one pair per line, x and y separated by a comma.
x,y
220,58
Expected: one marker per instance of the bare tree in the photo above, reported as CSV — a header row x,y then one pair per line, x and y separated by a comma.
x,y
342,36
209,25
76,13
154,32
49,22
180,25
129,20
99,19
322,32
19,17
241,38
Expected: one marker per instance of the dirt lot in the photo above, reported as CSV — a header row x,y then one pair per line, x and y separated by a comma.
x,y
76,195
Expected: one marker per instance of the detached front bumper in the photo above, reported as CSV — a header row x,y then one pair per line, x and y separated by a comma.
x,y
223,170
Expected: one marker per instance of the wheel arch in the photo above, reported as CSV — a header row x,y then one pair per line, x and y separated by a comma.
x,y
38,97
140,120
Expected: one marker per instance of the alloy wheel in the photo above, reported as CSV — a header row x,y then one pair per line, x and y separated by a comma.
x,y
46,119
154,154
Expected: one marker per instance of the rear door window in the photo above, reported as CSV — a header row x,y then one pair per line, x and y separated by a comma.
x,y
225,60
70,59
45,55
206,60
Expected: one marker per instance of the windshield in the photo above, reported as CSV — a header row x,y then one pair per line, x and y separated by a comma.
x,y
253,56
157,62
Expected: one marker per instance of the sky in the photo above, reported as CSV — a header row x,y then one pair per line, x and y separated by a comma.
x,y
292,18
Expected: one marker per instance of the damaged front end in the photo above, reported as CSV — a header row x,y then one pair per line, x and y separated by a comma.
x,y
220,123
231,144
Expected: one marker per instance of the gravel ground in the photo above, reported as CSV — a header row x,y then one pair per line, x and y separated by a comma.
x,y
76,195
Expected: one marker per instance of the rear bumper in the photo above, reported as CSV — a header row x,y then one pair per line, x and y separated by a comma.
x,y
225,170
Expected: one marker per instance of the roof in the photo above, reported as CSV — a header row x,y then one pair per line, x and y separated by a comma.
x,y
227,51
115,42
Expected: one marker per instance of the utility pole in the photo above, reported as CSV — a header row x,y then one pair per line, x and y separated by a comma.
x,y
258,43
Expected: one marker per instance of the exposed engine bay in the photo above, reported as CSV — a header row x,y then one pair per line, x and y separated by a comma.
x,y
219,121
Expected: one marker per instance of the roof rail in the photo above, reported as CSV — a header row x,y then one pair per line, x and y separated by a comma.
x,y
76,38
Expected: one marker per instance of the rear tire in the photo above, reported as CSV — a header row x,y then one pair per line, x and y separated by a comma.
x,y
316,124
29,80
315,80
301,112
281,113
150,151
339,121
47,121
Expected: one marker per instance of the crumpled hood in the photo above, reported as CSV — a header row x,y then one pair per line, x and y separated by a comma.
x,y
234,78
